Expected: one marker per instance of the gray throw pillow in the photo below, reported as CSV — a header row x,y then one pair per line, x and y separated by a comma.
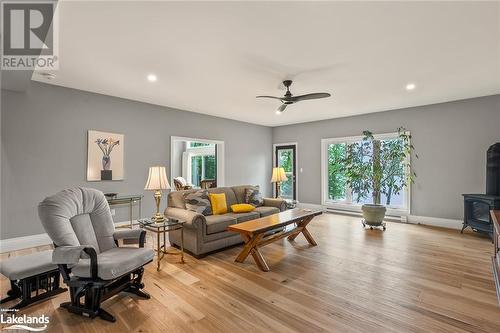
x,y
198,202
253,196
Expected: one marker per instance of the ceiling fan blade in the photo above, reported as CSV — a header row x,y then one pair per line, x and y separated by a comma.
x,y
282,107
280,98
309,96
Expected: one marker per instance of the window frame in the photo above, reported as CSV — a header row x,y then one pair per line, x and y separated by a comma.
x,y
349,205
220,156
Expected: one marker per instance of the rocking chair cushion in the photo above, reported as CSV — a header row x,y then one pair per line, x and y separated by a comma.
x,y
114,263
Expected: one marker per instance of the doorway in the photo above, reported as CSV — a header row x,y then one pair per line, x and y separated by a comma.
x,y
285,156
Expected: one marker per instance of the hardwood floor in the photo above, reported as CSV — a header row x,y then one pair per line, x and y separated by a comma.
x,y
409,278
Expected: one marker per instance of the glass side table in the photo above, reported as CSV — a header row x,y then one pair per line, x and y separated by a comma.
x,y
161,229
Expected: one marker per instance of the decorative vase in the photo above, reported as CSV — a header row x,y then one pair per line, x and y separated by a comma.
x,y
106,162
373,214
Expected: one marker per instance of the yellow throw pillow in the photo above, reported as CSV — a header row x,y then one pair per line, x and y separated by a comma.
x,y
218,202
242,208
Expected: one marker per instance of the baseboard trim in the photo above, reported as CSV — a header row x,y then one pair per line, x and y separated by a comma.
x,y
26,242
436,222
413,219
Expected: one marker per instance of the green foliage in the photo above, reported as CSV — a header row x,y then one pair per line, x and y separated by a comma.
x,y
210,167
193,144
336,174
285,160
375,167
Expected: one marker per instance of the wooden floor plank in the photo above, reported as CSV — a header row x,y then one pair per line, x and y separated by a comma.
x,y
409,278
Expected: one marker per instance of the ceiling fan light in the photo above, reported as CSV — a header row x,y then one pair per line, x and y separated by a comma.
x,y
278,112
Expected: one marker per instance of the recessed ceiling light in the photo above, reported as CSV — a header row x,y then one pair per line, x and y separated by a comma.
x,y
410,86
152,78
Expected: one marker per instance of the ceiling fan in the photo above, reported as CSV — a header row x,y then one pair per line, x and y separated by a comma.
x,y
290,99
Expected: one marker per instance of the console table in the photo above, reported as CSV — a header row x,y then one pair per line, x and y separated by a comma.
x,y
495,216
127,199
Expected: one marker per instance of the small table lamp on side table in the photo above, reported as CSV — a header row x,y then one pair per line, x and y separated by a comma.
x,y
278,177
157,181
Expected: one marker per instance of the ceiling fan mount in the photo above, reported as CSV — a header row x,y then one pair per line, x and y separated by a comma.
x,y
288,98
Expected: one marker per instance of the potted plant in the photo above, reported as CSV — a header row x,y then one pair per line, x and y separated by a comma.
x,y
375,167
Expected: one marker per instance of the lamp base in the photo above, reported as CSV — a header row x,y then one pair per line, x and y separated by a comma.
x,y
158,218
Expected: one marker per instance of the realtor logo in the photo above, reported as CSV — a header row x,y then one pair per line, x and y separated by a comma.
x,y
29,31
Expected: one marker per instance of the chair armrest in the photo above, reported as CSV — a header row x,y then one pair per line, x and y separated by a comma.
x,y
278,203
131,236
193,220
71,255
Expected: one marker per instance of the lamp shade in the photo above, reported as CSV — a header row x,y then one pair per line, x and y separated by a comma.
x,y
157,179
278,175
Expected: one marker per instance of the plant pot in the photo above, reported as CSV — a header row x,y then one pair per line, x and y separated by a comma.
x,y
373,214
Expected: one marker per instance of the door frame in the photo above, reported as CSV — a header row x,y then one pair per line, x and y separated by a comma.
x,y
295,166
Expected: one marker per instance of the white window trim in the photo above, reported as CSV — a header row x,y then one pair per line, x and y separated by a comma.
x,y
220,155
353,206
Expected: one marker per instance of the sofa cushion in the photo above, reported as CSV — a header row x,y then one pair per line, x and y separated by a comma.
x,y
230,196
176,198
266,210
242,217
242,208
218,202
240,191
115,262
219,223
198,202
253,196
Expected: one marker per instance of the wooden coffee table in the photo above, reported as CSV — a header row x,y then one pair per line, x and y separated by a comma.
x,y
254,232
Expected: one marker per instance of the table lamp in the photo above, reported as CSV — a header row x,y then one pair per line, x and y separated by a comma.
x,y
157,181
278,177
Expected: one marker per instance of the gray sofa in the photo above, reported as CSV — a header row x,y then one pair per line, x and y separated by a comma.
x,y
204,234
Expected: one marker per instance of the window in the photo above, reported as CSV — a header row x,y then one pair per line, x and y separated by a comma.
x,y
201,161
336,192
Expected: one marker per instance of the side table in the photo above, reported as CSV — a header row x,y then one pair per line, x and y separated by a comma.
x,y
161,229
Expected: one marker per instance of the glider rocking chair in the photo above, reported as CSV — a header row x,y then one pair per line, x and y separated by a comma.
x,y
94,267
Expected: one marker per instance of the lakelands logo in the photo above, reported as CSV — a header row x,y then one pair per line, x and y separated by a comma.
x,y
29,35
27,323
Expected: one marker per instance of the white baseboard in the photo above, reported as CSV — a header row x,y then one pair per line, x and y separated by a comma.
x,y
414,219
435,221
18,243
26,242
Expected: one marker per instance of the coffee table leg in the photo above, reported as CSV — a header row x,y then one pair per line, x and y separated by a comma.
x,y
301,228
259,260
250,243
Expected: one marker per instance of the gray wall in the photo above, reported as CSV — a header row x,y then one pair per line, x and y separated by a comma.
x,y
44,139
451,140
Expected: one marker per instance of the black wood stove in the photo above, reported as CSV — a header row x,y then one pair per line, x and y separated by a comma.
x,y
477,206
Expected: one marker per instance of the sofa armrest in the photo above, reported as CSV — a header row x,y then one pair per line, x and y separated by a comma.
x,y
193,220
278,203
131,236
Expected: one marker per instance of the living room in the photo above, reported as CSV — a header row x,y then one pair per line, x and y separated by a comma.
x,y
352,129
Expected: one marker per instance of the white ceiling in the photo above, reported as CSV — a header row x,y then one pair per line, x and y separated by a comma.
x,y
214,58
